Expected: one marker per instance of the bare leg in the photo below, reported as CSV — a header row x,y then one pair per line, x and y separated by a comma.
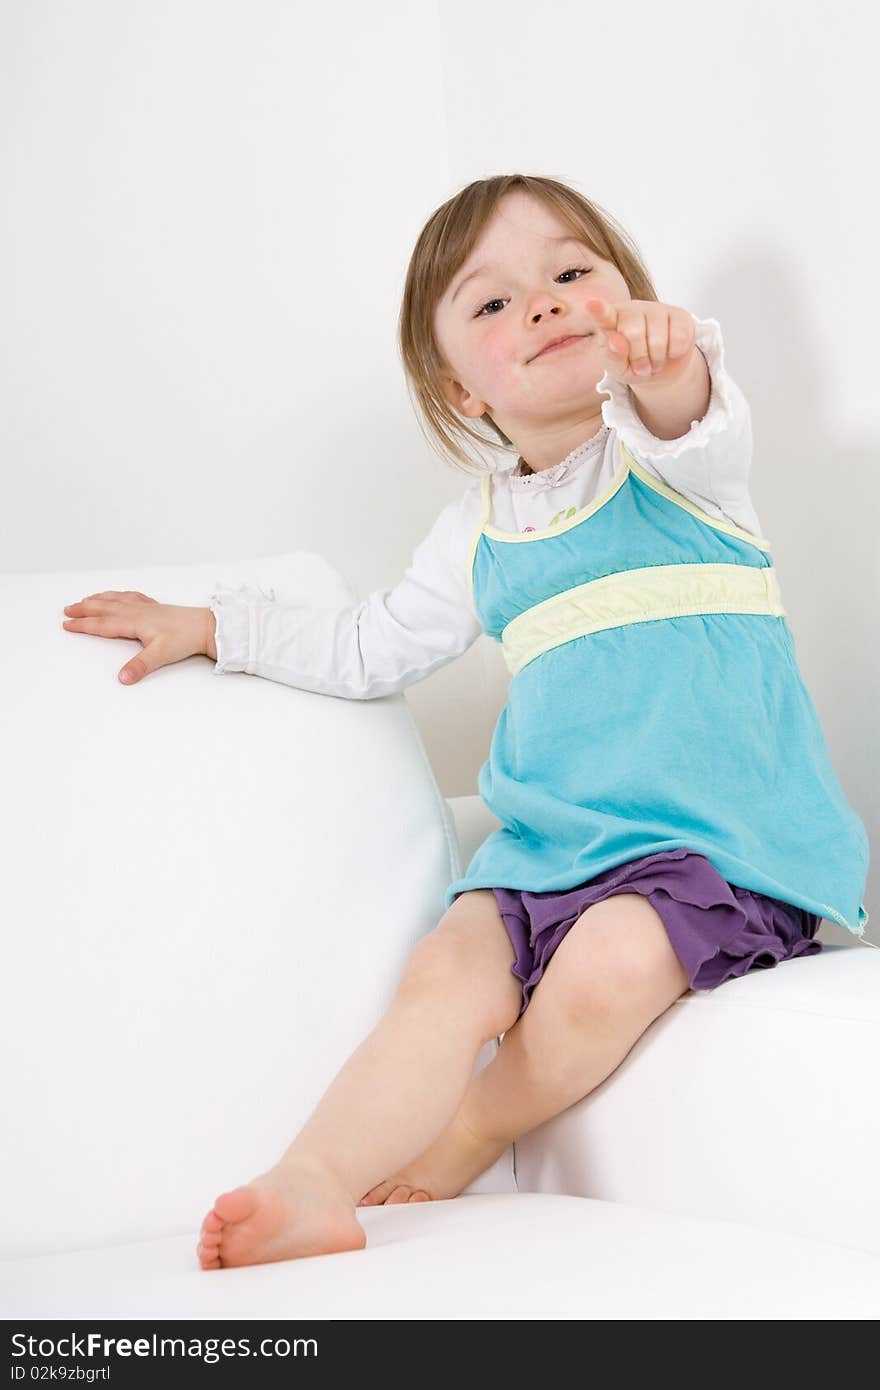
x,y
612,975
396,1092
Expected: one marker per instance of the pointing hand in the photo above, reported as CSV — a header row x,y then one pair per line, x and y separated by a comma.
x,y
644,341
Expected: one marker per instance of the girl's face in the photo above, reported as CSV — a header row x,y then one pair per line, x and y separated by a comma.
x,y
532,283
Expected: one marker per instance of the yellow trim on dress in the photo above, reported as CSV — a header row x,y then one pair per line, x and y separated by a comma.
x,y
629,463
671,495
485,512
640,595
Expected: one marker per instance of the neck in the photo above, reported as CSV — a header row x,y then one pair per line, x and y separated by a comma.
x,y
552,463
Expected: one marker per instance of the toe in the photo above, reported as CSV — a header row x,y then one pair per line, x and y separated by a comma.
x,y
399,1194
212,1224
237,1205
420,1196
376,1195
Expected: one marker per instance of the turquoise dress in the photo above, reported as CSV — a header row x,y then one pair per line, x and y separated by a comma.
x,y
655,703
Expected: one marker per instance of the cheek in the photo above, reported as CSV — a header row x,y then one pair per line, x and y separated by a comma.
x,y
607,283
618,287
500,348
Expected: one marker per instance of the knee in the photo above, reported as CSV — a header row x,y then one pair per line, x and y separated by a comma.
x,y
619,963
435,963
443,965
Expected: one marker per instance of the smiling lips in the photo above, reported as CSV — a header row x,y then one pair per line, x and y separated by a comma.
x,y
561,343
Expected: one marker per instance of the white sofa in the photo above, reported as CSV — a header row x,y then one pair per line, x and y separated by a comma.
x,y
211,884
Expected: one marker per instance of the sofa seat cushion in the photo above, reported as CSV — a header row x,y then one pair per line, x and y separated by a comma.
x,y
493,1256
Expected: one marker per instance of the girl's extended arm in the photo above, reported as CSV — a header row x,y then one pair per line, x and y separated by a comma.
x,y
378,646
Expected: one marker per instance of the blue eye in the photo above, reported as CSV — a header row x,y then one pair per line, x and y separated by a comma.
x,y
572,270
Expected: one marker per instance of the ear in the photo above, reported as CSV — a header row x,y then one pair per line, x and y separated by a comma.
x,y
461,399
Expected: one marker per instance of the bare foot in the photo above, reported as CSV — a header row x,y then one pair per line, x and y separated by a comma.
x,y
296,1209
455,1158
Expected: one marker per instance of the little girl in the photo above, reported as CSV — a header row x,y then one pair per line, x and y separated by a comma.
x,y
669,815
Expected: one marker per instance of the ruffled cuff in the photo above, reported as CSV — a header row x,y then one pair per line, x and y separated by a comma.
x,y
231,610
620,414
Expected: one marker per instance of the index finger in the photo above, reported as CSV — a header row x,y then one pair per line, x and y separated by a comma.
x,y
604,313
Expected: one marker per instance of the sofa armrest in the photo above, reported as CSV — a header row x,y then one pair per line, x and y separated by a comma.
x,y
203,877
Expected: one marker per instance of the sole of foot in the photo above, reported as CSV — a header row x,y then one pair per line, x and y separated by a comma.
x,y
292,1212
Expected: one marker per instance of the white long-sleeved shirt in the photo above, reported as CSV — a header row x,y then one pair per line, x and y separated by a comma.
x,y
395,637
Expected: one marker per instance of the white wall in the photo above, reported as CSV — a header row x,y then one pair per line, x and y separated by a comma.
x,y
208,211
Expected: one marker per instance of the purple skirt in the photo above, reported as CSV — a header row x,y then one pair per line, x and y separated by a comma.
x,y
717,930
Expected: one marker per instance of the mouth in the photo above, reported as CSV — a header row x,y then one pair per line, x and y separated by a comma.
x,y
560,343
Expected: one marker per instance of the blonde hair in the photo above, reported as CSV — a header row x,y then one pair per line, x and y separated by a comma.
x,y
443,246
